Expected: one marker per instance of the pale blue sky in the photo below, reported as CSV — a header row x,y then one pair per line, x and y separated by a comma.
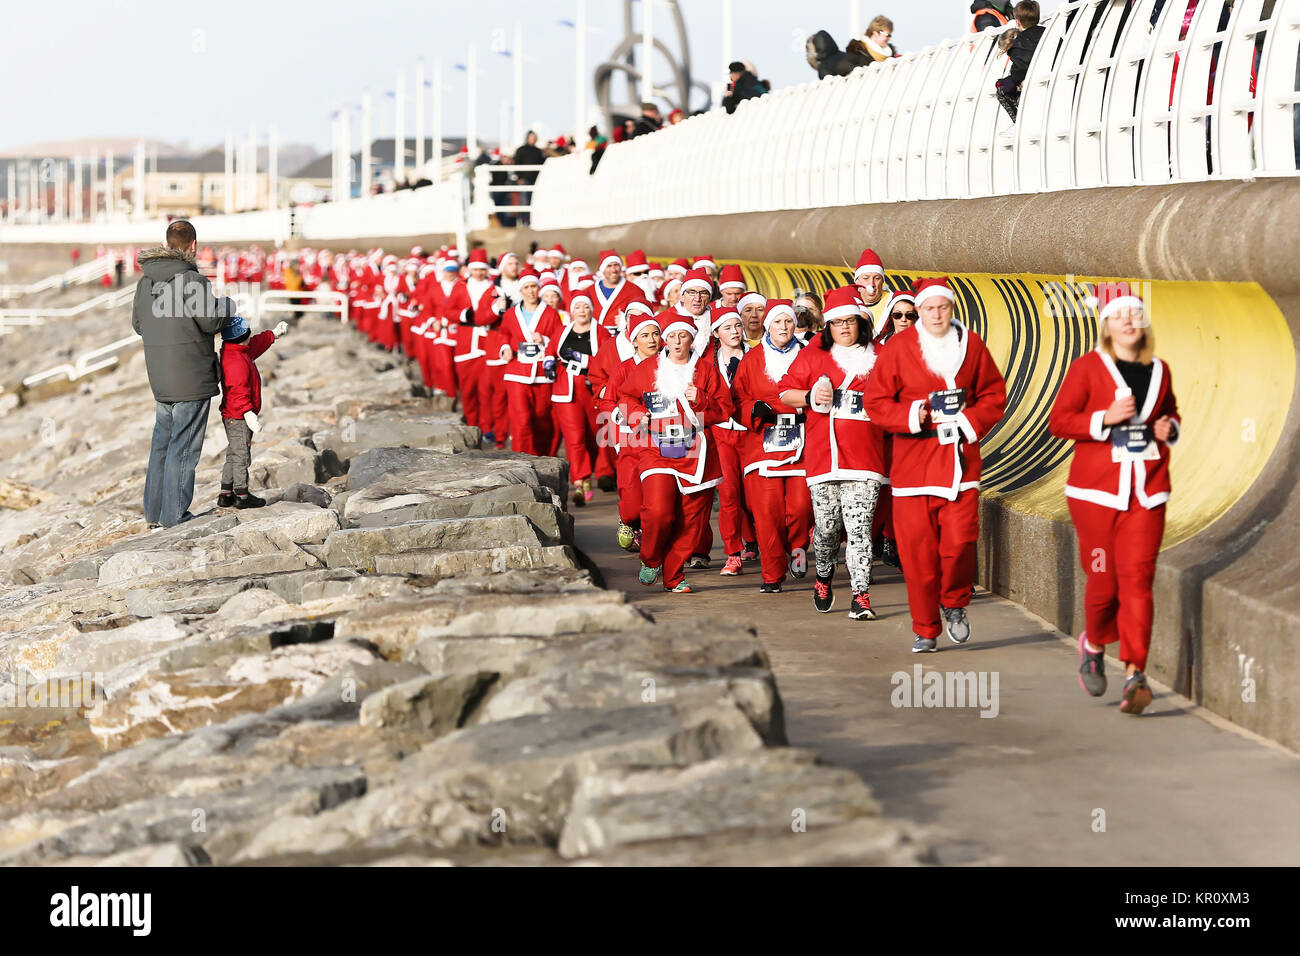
x,y
186,71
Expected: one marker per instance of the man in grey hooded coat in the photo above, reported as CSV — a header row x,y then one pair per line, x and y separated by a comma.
x,y
177,314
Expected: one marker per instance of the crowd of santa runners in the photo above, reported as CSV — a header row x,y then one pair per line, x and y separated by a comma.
x,y
835,428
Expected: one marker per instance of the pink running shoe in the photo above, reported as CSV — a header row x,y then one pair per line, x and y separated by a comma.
x,y
732,567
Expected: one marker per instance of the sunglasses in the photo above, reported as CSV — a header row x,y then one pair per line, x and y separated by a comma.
x,y
910,316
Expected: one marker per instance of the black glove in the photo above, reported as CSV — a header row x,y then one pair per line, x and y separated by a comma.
x,y
764,413
732,366
467,317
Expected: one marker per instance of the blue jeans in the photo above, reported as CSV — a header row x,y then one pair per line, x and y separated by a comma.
x,y
177,443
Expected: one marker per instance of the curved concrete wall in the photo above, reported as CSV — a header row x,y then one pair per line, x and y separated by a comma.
x,y
1226,304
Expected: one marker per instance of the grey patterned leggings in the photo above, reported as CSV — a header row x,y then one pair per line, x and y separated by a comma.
x,y
849,506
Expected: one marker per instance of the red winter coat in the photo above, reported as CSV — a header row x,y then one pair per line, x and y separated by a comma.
x,y
472,337
753,384
241,385
700,469
901,384
837,447
1097,473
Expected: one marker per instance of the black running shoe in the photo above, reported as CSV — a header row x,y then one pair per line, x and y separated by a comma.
x,y
1092,668
226,498
698,562
889,553
954,620
860,607
606,483
823,595
798,565
249,501
770,587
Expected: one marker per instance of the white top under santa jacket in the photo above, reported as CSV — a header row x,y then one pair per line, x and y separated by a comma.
x,y
544,329
564,387
900,386
471,339
1100,472
762,368
843,444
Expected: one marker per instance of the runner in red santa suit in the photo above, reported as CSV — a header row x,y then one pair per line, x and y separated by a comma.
x,y
493,397
408,308
937,389
752,307
693,305
474,326
735,522
529,333
574,404
1117,405
869,278
365,278
681,397
899,314
843,448
776,489
708,265
389,305
555,258
613,290
446,299
619,422
731,286
637,270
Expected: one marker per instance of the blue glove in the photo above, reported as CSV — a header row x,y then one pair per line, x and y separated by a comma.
x,y
548,366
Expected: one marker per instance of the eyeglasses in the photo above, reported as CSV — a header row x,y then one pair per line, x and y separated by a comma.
x,y
910,316
703,292
843,323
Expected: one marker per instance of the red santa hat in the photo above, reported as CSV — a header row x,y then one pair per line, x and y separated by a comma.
x,y
583,293
674,321
731,278
704,262
608,256
529,275
678,267
450,265
507,255
669,287
656,270
417,252
637,316
841,302
1111,297
868,263
721,313
751,298
636,262
558,250
775,308
546,275
897,297
553,285
478,257
697,279
412,264
935,288
573,264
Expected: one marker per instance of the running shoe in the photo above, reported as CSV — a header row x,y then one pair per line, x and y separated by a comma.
x,y
626,537
648,576
1092,668
577,497
636,540
954,620
823,596
923,644
799,566
698,562
860,607
489,438
682,588
889,553
1137,694
770,587
750,552
732,567
606,483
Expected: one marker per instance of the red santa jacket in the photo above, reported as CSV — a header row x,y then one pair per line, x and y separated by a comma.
x,y
472,337
1099,472
843,444
544,330
941,461
611,406
241,384
700,468
757,380
569,387
609,308
441,309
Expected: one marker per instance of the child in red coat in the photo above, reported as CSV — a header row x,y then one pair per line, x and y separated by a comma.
x,y
241,401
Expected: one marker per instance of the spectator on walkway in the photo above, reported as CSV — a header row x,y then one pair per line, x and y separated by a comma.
x,y
743,85
1021,53
877,45
177,314
675,117
989,13
650,122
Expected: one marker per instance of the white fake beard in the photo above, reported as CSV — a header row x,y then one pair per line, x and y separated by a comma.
x,y
672,379
856,360
778,363
476,289
942,354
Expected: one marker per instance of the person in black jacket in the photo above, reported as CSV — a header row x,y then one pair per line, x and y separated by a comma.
x,y
1021,53
650,122
744,85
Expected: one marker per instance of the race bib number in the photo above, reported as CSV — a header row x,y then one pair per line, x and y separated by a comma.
x,y
659,405
946,403
1132,443
785,436
848,404
530,351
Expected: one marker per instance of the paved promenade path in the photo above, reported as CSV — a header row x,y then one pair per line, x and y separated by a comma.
x,y
1178,786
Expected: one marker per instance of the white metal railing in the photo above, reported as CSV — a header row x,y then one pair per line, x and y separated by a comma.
x,y
1107,101
78,275
485,201
318,300
38,316
103,357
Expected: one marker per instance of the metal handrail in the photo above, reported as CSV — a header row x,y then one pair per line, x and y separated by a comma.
x,y
320,300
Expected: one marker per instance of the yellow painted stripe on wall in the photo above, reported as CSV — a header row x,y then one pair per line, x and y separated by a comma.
x,y
1226,343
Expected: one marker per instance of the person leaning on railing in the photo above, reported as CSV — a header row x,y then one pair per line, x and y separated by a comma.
x,y
1021,53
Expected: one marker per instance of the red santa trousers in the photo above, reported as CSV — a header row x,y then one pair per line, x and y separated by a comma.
x,y
573,423
500,405
628,478
468,374
530,417
603,436
489,380
936,541
670,524
443,368
735,515
372,323
782,518
1118,552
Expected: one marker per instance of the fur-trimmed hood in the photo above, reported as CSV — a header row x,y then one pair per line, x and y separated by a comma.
x,y
165,252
